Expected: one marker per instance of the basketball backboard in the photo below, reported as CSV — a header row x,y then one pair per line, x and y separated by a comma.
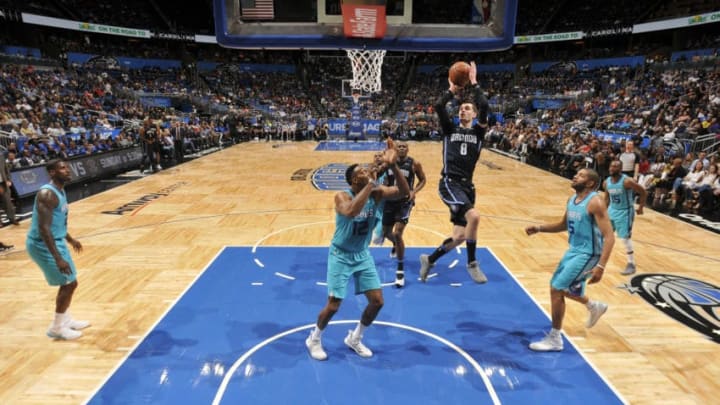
x,y
287,24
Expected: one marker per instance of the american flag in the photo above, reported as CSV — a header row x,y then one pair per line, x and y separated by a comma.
x,y
257,9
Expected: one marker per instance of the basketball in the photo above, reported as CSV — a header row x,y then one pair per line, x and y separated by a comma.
x,y
459,73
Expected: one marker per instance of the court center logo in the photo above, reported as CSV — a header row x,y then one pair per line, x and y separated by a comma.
x,y
693,302
330,177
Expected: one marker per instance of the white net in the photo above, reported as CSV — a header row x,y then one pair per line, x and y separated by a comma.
x,y
367,69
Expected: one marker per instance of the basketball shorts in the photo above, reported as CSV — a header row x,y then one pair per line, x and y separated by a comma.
x,y
573,271
41,255
396,211
621,223
459,196
342,265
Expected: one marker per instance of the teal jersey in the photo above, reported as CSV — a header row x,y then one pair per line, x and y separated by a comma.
x,y
621,198
383,178
583,233
354,234
58,227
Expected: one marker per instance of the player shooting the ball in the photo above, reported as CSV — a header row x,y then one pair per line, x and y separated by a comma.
x,y
461,149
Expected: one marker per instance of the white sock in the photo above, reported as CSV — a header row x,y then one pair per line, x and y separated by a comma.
x,y
359,330
555,332
590,304
316,333
59,320
629,250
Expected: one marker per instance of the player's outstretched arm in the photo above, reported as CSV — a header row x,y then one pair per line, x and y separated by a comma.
x,y
441,110
548,228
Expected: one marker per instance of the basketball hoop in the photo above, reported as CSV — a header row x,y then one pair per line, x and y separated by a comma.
x,y
366,68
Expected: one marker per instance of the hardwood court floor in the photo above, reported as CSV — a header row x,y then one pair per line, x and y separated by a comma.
x,y
135,265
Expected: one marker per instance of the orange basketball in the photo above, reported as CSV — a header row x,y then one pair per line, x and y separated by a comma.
x,y
459,73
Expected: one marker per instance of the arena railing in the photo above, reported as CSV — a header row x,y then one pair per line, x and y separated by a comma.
x,y
5,140
709,143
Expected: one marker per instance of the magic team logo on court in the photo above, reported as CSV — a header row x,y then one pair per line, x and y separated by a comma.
x,y
330,177
144,200
700,221
694,303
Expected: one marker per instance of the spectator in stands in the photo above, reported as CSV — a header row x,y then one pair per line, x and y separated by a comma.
x,y
692,194
38,157
123,140
62,152
55,130
167,143
78,127
714,126
687,163
669,181
25,159
702,157
84,147
15,132
12,148
11,160
27,129
688,183
643,167
73,149
6,191
189,139
709,197
649,179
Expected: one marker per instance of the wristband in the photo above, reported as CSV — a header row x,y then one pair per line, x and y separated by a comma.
x,y
600,265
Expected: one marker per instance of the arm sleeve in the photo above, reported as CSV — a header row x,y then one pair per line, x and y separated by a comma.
x,y
443,116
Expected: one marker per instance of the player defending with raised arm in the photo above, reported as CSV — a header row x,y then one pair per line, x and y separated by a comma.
x,y
620,196
356,212
591,240
461,149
